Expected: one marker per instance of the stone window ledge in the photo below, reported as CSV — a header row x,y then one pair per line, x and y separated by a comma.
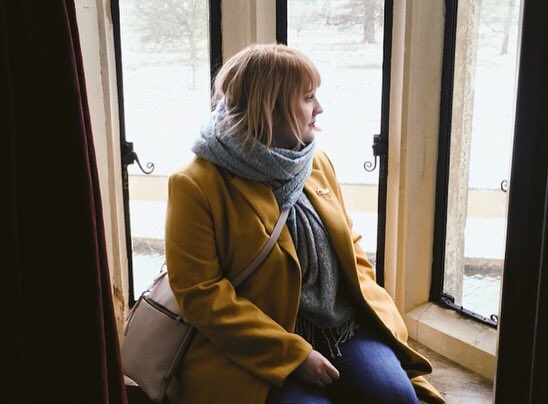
x,y
464,341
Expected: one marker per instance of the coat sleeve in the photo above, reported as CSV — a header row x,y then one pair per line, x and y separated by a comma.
x,y
235,325
426,392
365,268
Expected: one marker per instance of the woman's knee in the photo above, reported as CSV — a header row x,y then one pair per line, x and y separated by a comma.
x,y
372,373
406,394
393,392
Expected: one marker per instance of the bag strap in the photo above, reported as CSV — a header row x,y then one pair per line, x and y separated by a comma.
x,y
258,260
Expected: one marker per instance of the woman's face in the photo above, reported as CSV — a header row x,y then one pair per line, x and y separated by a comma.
x,y
307,109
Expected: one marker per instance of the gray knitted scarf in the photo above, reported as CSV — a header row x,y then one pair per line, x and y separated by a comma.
x,y
323,305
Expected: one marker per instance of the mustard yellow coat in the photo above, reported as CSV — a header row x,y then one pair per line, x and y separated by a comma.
x,y
215,225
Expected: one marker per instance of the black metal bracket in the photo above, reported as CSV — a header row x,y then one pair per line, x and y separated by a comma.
x,y
447,299
448,302
504,185
129,156
380,149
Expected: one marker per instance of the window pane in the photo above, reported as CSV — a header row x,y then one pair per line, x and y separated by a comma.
x,y
481,147
165,56
345,41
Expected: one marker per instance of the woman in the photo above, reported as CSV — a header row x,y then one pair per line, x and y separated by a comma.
x,y
311,325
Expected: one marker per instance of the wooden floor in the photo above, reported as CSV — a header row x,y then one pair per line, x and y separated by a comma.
x,y
457,384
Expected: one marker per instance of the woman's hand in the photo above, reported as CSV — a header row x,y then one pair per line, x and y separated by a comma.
x,y
317,370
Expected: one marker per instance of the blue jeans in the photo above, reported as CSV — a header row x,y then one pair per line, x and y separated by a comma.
x,y
369,372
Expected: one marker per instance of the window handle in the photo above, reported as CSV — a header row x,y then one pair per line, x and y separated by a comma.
x,y
504,185
379,150
129,156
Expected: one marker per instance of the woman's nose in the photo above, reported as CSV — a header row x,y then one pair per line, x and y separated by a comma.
x,y
318,109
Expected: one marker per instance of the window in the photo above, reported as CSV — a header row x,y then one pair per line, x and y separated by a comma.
x,y
165,51
349,41
475,147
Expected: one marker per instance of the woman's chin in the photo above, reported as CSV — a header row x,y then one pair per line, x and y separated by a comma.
x,y
308,138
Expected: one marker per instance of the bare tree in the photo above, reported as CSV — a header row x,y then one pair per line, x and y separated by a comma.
x,y
326,11
499,19
298,21
507,26
173,26
364,13
304,17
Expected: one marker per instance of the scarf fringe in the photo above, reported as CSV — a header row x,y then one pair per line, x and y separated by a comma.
x,y
334,337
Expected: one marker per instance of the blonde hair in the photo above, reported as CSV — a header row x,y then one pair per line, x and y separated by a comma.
x,y
256,81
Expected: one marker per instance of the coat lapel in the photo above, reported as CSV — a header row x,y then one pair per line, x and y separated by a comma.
x,y
327,206
261,198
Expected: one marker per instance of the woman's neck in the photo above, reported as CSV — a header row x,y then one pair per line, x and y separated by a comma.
x,y
282,137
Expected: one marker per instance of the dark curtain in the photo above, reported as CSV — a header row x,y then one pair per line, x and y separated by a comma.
x,y
58,333
522,362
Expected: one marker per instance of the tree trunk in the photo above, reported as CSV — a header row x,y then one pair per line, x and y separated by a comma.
x,y
193,61
507,26
369,21
327,11
194,16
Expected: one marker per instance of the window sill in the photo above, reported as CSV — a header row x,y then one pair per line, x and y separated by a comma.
x,y
464,341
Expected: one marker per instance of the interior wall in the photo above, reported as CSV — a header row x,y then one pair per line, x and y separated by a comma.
x,y
417,57
417,51
96,39
244,22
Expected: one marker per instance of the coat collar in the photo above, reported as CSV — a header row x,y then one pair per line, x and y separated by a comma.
x,y
317,188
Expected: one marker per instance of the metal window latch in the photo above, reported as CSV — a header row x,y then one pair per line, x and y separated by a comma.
x,y
379,150
129,156
504,185
447,299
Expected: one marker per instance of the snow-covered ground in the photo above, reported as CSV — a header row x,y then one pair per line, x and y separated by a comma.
x,y
163,116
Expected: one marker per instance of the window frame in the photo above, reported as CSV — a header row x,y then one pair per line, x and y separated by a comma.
x,y
380,149
215,61
437,295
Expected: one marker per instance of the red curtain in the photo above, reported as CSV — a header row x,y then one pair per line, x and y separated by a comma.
x,y
58,332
